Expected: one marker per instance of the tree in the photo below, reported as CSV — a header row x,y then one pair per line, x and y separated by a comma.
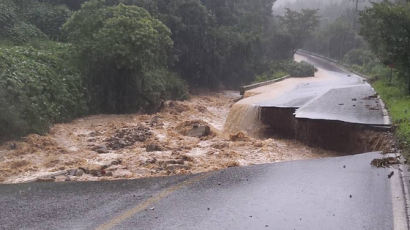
x,y
386,27
118,48
299,25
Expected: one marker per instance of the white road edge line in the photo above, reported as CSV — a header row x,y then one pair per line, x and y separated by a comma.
x,y
400,218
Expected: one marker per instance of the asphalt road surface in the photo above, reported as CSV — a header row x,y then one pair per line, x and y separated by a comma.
x,y
333,193
341,96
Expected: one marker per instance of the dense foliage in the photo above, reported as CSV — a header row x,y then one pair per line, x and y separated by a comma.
x,y
131,55
386,27
287,68
300,26
219,43
37,88
23,21
123,52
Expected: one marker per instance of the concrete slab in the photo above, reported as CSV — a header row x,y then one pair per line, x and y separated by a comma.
x,y
341,96
355,104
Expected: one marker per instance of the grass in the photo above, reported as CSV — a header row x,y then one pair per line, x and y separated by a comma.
x,y
397,101
269,76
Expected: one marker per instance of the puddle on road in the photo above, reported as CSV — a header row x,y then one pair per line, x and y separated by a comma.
x,y
110,147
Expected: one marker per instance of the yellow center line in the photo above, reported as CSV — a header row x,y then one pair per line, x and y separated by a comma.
x,y
149,202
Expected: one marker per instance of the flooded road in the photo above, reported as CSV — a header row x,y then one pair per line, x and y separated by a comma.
x,y
111,147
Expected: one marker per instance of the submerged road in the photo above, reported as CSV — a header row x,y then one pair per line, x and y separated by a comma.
x,y
334,193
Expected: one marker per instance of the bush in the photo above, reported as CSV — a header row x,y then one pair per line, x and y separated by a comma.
x,y
122,51
7,16
22,33
49,18
160,85
300,69
22,21
37,88
359,57
269,76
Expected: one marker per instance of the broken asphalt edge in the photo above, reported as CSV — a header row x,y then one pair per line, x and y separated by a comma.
x,y
386,116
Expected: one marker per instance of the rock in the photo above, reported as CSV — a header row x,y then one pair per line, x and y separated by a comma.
x,y
220,145
52,177
75,172
172,167
240,136
116,162
155,121
186,158
13,146
194,128
128,136
152,147
94,134
96,173
100,149
172,162
199,131
151,161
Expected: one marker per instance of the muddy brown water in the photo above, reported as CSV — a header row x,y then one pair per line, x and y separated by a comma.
x,y
111,147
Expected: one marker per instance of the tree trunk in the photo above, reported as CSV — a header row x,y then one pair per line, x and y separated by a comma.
x,y
408,82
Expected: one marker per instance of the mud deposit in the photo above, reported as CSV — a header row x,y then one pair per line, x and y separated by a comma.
x,y
185,137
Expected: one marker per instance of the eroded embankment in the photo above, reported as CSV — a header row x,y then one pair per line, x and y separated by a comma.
x,y
245,114
342,137
185,137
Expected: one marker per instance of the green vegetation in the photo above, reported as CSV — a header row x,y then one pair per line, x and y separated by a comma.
x,y
391,88
284,68
25,21
372,39
301,69
398,104
123,53
300,26
65,58
386,27
37,88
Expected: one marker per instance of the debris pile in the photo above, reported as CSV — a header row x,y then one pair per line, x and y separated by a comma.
x,y
185,137
195,128
128,136
385,162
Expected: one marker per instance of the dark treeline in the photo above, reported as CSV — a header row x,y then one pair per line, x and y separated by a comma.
x,y
371,36
219,41
61,59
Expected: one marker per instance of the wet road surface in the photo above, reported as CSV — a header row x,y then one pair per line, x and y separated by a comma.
x,y
341,96
333,193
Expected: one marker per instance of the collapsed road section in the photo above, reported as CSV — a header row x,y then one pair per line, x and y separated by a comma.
x,y
339,112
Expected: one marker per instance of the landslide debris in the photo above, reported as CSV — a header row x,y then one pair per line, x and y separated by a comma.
x,y
385,162
128,136
195,128
185,137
